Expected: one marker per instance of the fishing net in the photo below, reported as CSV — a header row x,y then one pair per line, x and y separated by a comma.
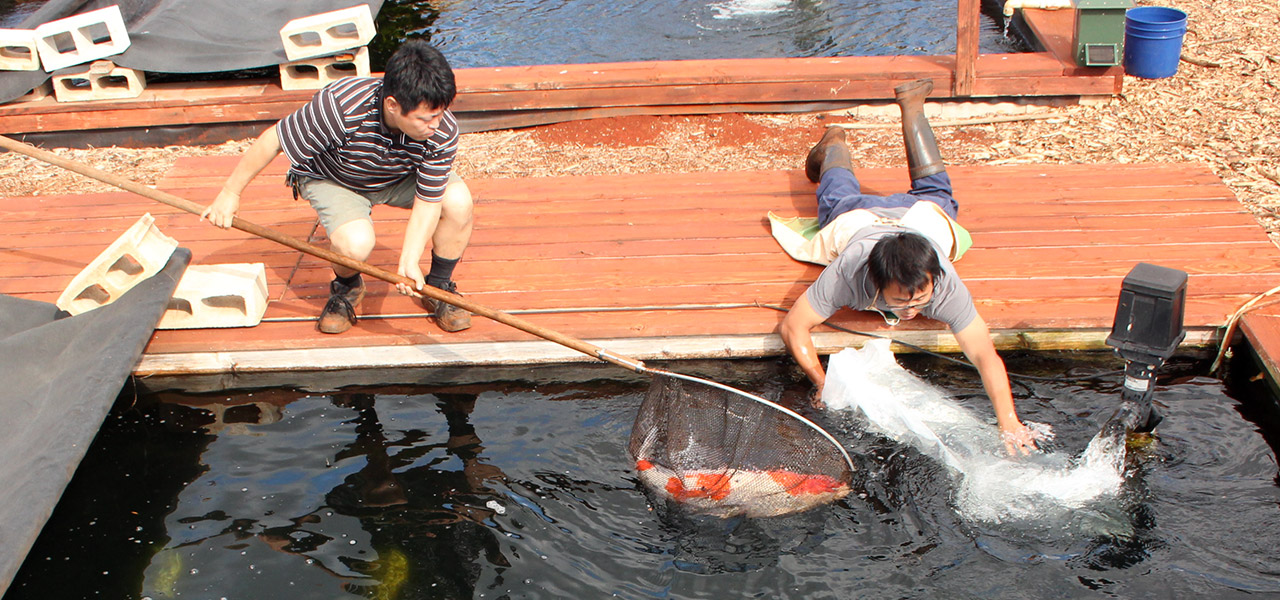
x,y
721,451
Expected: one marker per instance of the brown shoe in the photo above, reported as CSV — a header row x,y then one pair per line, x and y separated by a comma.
x,y
449,317
339,313
831,151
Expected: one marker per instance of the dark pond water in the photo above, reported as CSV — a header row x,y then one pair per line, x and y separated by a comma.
x,y
526,491
527,32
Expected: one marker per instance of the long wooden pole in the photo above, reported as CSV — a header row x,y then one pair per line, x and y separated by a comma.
x,y
429,291
329,255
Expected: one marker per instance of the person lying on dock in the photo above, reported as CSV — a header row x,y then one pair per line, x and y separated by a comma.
x,y
892,269
363,141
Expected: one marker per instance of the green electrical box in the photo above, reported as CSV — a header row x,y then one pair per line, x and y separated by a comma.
x,y
1099,32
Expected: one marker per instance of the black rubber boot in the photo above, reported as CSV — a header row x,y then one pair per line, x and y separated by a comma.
x,y
923,156
831,151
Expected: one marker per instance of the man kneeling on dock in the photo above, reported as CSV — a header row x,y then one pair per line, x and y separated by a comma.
x,y
892,269
366,141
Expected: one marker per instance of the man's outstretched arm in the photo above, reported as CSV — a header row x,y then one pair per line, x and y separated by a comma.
x,y
975,342
255,159
795,331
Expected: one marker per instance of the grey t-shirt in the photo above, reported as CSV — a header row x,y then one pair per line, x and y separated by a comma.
x,y
847,281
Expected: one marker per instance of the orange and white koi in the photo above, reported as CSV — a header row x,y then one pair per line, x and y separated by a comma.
x,y
741,492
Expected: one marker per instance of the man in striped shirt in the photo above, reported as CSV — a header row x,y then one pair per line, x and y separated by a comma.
x,y
366,141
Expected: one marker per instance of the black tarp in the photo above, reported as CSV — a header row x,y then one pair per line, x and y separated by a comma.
x,y
60,377
185,36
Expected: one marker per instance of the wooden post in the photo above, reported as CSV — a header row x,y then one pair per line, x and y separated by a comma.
x,y
967,22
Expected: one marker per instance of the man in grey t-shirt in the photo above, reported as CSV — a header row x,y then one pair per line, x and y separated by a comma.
x,y
892,270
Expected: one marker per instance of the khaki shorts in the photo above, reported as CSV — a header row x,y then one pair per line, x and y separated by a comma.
x,y
338,205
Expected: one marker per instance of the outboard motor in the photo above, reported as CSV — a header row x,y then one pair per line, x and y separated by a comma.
x,y
1146,332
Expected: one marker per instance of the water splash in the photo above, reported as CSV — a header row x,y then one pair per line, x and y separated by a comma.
x,y
993,487
748,8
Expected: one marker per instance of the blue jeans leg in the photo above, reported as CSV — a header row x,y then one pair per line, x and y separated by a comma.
x,y
936,188
839,192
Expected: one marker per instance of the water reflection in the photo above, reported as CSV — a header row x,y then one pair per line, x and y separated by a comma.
x,y
526,491
427,524
388,513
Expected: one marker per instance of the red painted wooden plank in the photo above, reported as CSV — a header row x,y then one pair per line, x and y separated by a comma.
x,y
966,47
632,324
1262,330
688,72
100,238
573,294
676,251
1054,30
1189,233
966,178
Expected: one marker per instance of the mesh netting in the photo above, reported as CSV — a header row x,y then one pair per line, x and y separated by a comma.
x,y
723,452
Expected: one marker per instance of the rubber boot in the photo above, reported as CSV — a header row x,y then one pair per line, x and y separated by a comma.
x,y
923,157
831,151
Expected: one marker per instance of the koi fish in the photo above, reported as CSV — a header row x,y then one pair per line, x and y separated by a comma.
x,y
741,492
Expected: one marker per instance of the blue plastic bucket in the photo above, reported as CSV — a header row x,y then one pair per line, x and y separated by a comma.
x,y
1153,41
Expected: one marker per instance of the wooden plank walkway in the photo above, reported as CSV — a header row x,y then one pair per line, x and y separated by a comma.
x,y
1262,331
668,266
506,97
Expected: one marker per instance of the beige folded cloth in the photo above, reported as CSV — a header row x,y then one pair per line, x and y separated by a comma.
x,y
801,238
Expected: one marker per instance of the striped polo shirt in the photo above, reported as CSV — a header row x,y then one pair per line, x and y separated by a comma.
x,y
340,136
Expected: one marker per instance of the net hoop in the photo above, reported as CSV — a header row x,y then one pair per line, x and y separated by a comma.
x,y
793,414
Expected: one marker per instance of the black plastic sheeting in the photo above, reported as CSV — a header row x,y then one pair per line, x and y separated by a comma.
x,y
185,36
61,376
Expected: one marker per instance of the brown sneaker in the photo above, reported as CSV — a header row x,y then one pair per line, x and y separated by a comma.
x,y
449,317
339,313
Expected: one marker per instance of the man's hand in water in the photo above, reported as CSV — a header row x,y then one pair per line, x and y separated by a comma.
x,y
1019,440
815,398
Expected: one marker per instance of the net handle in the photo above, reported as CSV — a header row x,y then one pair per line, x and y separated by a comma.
x,y
793,414
323,253
454,299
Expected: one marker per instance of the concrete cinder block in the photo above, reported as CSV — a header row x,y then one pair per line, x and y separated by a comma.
x,y
103,80
40,92
327,33
136,255
81,38
18,50
230,295
315,73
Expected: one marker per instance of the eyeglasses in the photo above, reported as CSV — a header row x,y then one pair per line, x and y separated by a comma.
x,y
917,306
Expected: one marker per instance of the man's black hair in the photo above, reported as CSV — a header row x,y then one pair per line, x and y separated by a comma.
x,y
418,73
906,259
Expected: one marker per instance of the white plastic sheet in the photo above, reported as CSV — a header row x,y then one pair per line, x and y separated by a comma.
x,y
992,486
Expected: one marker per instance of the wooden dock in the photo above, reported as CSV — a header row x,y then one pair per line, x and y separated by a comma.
x,y
668,266
506,97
